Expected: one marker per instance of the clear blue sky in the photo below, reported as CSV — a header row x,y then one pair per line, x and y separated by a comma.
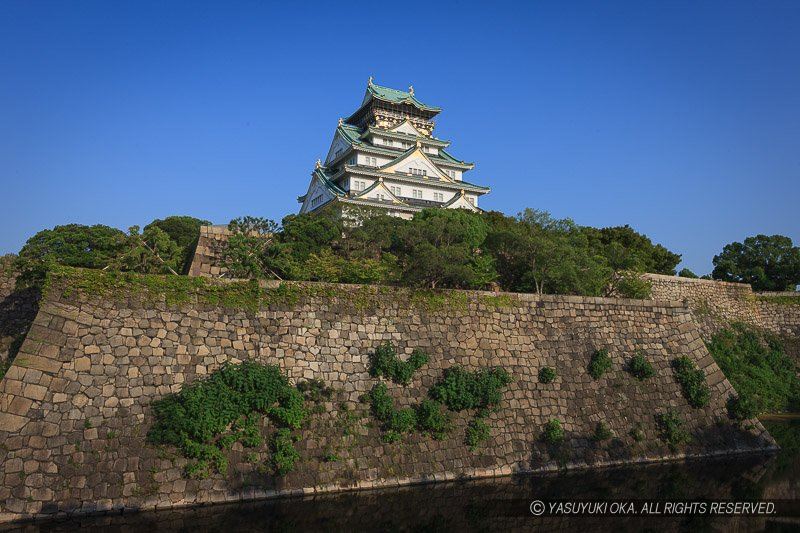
x,y
681,119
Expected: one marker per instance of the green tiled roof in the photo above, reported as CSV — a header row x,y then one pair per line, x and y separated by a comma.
x,y
395,96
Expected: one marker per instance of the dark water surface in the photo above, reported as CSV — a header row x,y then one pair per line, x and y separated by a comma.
x,y
503,504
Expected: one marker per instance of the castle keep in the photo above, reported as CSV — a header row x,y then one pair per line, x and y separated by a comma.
x,y
385,156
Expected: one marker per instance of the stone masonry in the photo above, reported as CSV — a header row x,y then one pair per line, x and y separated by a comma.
x,y
75,405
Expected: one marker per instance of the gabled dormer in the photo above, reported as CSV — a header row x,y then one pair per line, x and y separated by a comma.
x,y
416,163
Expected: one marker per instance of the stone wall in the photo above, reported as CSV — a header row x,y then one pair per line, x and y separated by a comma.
x,y
207,261
75,405
17,309
715,304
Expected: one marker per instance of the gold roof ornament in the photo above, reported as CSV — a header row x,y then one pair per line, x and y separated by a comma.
x,y
419,143
341,121
411,90
319,163
370,81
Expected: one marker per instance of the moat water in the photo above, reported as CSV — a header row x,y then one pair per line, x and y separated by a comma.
x,y
504,504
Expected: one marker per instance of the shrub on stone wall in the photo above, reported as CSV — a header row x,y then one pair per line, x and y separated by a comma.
x,y
547,374
461,389
602,432
640,367
670,429
208,416
758,367
692,381
743,407
553,432
432,419
385,363
599,364
478,432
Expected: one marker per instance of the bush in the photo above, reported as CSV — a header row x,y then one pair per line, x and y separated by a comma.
x,y
692,381
758,367
602,432
284,455
671,430
743,407
431,419
637,433
315,390
632,285
394,421
460,389
196,420
640,367
547,374
478,432
384,362
686,273
599,364
184,231
553,432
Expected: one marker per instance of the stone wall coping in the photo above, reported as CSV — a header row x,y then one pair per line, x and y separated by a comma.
x,y
794,294
678,279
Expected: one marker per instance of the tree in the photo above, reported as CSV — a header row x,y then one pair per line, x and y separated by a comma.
x,y
72,245
686,273
441,248
627,249
151,252
246,251
184,231
768,263
536,253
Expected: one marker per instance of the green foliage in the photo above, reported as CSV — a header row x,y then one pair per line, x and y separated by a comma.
x,y
599,364
640,367
384,362
743,408
670,429
246,251
431,419
150,252
637,433
602,432
184,232
330,457
537,253
625,249
315,390
208,415
692,381
284,454
553,432
394,421
547,374
478,432
629,284
768,263
461,389
756,364
686,273
73,245
441,248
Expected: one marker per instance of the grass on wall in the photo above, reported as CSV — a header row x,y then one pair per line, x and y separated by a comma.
x,y
756,364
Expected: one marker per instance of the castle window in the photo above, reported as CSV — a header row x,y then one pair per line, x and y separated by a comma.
x,y
316,201
417,193
358,185
471,200
439,197
419,172
395,190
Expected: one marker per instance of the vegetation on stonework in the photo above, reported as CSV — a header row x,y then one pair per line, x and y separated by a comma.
x,y
671,429
742,407
599,364
210,415
640,367
384,362
686,273
553,432
395,422
478,432
445,248
637,433
461,389
602,432
780,299
692,381
547,374
315,390
767,262
163,247
432,419
756,364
